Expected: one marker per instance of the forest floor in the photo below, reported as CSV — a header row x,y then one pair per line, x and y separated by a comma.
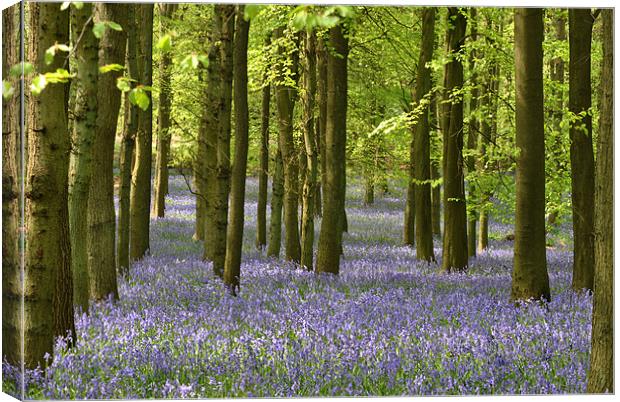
x,y
388,325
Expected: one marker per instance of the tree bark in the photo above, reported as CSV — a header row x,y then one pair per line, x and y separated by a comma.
x,y
285,102
140,198
321,100
435,174
601,373
234,237
580,23
163,126
529,276
472,138
309,191
277,193
127,146
455,214
48,287
11,141
263,174
85,121
330,238
421,143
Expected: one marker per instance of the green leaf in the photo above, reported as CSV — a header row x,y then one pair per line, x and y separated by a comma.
x,y
113,25
299,21
164,43
63,48
98,29
16,70
203,59
251,11
78,5
111,67
59,76
138,97
7,89
328,21
49,55
38,84
122,83
64,5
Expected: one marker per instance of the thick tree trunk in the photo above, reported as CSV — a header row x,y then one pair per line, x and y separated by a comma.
x,y
321,100
435,174
11,129
140,199
309,192
277,195
127,147
48,293
101,215
472,139
330,238
234,237
580,23
601,374
263,174
529,276
163,126
421,143
285,95
455,214
85,120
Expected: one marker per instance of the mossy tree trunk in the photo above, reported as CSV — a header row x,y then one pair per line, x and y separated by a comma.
x,y
234,237
529,276
455,215
140,198
472,137
11,126
601,373
263,173
166,12
277,195
330,238
580,23
48,287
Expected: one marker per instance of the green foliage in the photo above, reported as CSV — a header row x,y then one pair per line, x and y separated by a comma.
x,y
17,69
100,27
139,97
7,90
111,67
165,43
77,4
50,53
193,61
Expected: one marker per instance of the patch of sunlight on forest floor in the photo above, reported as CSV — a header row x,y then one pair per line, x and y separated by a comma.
x,y
388,325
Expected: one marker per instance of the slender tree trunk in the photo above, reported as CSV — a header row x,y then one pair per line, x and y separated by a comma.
x,y
127,146
330,238
285,104
85,120
529,276
455,214
369,189
163,129
48,297
472,139
321,100
222,173
234,237
277,195
421,143
199,178
11,130
317,144
409,226
601,374
263,174
140,199
580,23
435,175
309,192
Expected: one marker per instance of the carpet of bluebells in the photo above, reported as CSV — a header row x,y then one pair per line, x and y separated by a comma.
x,y
388,325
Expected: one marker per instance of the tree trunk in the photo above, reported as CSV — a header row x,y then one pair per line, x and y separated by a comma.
x,y
421,143
330,238
580,23
127,146
455,214
601,374
369,190
309,192
234,237
435,174
472,140
48,291
163,129
226,15
263,174
285,104
529,276
140,199
11,125
85,120
277,193
321,100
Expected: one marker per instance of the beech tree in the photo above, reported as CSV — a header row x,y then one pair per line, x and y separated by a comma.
x,y
263,173
529,275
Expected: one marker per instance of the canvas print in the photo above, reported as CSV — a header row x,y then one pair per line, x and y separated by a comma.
x,y
295,200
